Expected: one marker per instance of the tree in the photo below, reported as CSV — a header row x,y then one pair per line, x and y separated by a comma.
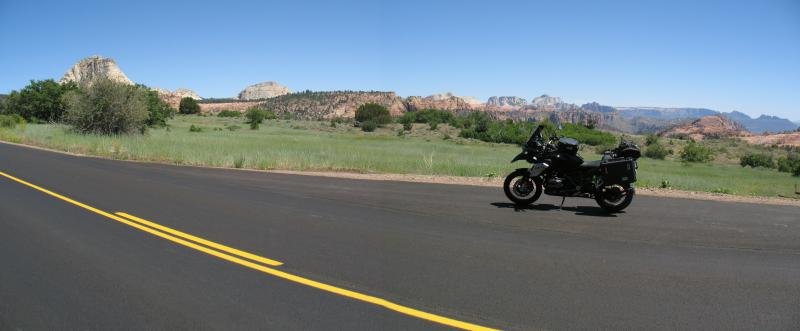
x,y
107,107
158,110
41,100
373,112
188,106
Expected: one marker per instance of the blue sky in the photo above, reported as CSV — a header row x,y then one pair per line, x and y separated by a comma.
x,y
724,55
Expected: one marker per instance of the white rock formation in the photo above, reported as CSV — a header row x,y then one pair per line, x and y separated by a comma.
x,y
264,90
91,68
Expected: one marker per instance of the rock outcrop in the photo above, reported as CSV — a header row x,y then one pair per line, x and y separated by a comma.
x,y
331,104
506,102
94,67
173,98
263,90
714,126
444,101
546,102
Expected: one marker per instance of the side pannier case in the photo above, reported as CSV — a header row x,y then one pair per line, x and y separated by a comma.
x,y
618,171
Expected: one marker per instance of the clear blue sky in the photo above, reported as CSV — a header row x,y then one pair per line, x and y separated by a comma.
x,y
724,55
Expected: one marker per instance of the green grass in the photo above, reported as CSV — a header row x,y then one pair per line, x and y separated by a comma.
x,y
311,145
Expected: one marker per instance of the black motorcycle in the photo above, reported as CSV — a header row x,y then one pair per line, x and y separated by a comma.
x,y
558,170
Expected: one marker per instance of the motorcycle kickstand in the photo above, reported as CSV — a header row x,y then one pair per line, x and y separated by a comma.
x,y
562,202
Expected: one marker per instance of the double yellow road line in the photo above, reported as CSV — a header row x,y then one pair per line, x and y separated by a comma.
x,y
247,259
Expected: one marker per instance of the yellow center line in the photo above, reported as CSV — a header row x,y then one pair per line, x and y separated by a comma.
x,y
199,240
271,271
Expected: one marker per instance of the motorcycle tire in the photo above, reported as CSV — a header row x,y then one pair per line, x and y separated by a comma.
x,y
527,199
615,207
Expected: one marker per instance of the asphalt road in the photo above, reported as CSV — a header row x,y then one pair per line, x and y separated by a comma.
x,y
454,251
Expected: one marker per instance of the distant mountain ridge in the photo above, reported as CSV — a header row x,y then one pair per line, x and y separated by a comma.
x,y
327,104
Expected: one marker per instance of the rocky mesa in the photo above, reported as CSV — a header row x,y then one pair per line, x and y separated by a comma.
x,y
263,90
94,67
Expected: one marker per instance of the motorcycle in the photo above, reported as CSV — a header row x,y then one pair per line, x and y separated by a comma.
x,y
558,170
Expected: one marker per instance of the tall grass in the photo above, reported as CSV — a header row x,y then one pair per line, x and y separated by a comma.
x,y
309,145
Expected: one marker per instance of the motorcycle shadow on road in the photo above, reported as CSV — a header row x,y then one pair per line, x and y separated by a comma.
x,y
578,210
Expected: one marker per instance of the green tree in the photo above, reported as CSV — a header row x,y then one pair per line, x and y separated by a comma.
x,y
188,106
41,100
107,107
373,112
158,110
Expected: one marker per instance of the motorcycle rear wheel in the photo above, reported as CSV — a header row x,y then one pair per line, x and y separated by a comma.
x,y
522,189
616,204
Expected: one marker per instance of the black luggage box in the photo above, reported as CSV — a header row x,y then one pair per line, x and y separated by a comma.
x,y
618,171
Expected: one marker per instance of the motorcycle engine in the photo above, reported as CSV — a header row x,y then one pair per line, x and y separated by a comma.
x,y
560,186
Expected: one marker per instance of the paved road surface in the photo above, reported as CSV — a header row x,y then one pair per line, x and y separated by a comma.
x,y
457,252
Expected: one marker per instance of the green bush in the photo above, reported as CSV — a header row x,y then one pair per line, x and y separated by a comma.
x,y
694,152
8,121
657,151
756,160
369,126
433,125
789,163
373,112
158,110
229,113
427,116
189,106
586,135
256,116
41,100
650,139
194,128
107,107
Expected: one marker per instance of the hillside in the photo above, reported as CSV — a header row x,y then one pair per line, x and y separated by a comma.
x,y
763,123
332,104
713,126
781,139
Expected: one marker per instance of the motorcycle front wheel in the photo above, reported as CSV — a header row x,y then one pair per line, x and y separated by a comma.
x,y
521,188
614,199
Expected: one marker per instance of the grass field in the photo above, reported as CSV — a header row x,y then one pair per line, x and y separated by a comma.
x,y
311,145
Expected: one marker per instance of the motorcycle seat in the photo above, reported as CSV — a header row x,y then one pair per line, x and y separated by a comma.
x,y
591,164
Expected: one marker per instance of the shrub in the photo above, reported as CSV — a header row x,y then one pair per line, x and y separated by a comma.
x,y
41,100
587,135
256,116
657,151
756,160
189,106
369,126
650,139
194,128
238,163
229,113
233,128
158,110
433,125
789,163
694,152
373,112
107,107
429,116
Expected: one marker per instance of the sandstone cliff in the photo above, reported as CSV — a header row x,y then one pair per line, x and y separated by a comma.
x,y
506,102
91,68
173,98
444,101
332,104
264,90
